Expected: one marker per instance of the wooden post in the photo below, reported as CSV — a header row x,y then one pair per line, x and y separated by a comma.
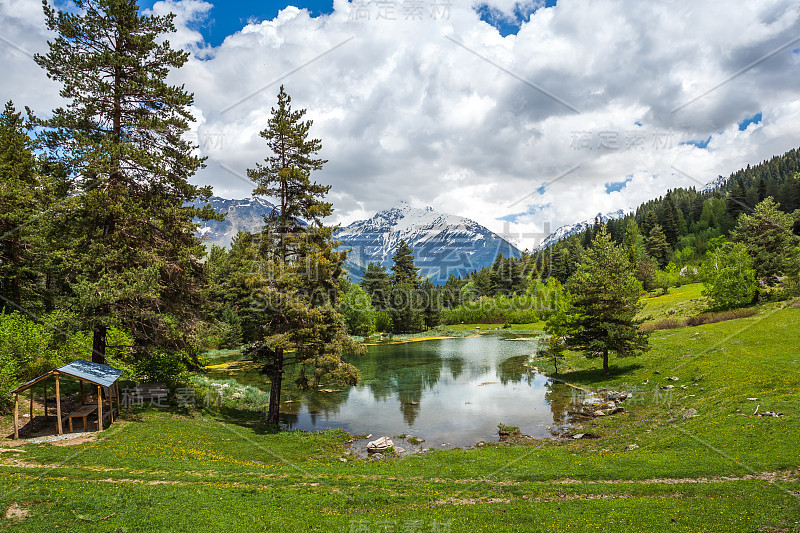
x,y
58,408
119,407
44,385
110,405
16,412
82,397
30,407
99,409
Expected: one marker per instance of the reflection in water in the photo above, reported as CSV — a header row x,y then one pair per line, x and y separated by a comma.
x,y
564,398
513,369
451,391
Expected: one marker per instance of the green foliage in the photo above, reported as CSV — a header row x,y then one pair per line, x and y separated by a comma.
x,y
9,380
160,366
29,348
378,285
728,276
295,272
356,308
554,350
605,301
537,302
405,271
130,257
407,309
767,236
228,394
20,197
431,303
383,322
657,246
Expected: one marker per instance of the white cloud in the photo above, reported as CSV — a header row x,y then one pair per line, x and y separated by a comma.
x,y
406,113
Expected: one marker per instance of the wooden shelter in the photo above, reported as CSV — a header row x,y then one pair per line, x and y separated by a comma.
x,y
97,375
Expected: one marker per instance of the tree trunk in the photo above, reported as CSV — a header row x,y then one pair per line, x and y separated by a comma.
x,y
99,344
605,362
275,378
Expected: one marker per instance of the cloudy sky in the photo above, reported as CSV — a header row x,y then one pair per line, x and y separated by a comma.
x,y
520,115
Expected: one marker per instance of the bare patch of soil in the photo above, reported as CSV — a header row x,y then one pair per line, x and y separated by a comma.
x,y
17,513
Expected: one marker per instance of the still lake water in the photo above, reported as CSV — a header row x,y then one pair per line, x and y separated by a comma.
x,y
450,392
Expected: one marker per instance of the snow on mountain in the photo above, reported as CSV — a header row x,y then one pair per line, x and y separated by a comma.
x,y
571,229
442,244
246,215
715,184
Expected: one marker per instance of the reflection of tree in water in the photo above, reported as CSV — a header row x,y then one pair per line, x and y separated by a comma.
x,y
325,403
513,369
562,399
406,372
456,366
317,403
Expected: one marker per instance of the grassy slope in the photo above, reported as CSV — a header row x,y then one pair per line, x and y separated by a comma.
x,y
683,302
190,471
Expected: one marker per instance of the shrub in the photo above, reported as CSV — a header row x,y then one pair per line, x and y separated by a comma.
x,y
728,276
711,318
705,318
228,394
160,366
665,323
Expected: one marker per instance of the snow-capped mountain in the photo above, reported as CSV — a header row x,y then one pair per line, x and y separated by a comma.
x,y
245,215
715,184
442,244
571,229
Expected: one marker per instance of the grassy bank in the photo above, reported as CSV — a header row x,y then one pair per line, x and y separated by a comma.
x,y
719,470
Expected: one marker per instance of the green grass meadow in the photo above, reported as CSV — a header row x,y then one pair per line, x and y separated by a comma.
x,y
720,470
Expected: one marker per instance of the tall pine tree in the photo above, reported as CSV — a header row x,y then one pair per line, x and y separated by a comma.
x,y
297,271
606,296
405,271
19,202
133,259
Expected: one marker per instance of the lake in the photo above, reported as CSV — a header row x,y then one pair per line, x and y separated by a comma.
x,y
449,392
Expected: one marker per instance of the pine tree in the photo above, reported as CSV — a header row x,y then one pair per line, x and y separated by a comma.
x,y
737,200
377,284
431,303
297,272
606,296
19,198
650,220
405,271
633,241
671,220
407,308
767,235
285,175
657,246
133,259
762,189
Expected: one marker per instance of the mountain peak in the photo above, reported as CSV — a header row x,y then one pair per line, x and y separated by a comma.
x,y
442,244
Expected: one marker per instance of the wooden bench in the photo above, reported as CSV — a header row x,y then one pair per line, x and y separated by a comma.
x,y
83,412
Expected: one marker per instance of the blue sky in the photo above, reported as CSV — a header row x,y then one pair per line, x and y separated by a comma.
x,y
228,17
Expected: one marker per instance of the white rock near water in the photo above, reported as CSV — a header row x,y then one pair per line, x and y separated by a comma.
x,y
379,445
